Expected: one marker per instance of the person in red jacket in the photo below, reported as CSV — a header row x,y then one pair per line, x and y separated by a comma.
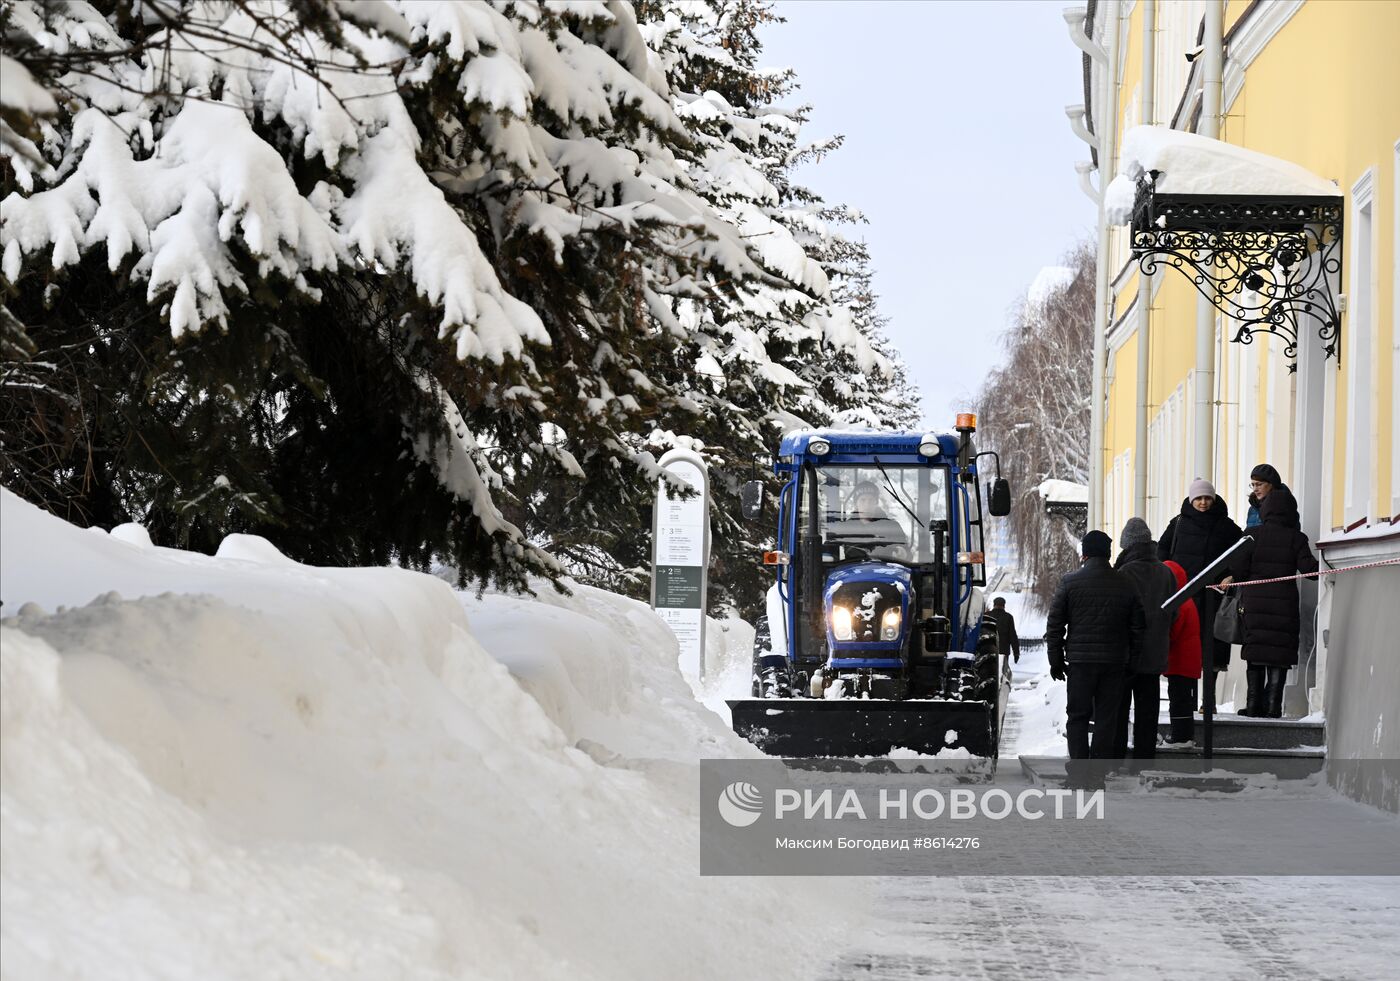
x,y
1183,664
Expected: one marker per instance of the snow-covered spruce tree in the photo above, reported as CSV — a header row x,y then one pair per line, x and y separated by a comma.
x,y
353,254
1043,432
763,355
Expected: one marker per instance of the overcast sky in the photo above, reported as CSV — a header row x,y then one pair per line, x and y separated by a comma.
x,y
958,153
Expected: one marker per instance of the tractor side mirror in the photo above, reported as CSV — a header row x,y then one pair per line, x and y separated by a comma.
x,y
751,500
1000,503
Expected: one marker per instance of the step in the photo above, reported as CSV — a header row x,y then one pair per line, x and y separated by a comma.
x,y
1231,732
1291,764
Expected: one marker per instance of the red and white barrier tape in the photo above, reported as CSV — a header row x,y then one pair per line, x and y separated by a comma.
x,y
1308,575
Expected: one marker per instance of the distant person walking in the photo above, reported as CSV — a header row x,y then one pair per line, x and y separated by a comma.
x,y
1195,538
1262,480
1271,618
1155,584
1183,665
1007,641
1094,630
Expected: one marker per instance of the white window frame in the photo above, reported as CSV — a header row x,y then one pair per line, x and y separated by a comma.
x,y
1395,343
1358,354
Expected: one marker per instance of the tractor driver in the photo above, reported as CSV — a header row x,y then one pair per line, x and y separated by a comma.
x,y
868,526
865,503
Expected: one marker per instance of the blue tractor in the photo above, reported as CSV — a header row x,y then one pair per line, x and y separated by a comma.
x,y
874,639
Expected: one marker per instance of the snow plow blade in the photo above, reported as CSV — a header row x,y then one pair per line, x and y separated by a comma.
x,y
799,727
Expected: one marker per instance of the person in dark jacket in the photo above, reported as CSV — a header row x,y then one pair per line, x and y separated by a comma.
x,y
1183,665
1271,616
1195,538
1142,688
1093,632
1262,479
1007,641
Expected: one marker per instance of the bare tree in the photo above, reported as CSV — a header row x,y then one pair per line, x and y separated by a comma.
x,y
1035,411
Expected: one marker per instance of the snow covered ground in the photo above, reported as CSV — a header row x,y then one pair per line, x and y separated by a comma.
x,y
728,665
242,767
1039,928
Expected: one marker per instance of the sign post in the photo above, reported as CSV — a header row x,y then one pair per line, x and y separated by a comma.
x,y
681,553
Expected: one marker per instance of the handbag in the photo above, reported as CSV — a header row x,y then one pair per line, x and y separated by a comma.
x,y
1229,619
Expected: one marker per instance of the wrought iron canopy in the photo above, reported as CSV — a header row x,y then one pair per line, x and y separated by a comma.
x,y
1264,261
1076,514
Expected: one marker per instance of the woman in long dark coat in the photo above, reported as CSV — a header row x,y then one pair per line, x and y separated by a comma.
x,y
1271,618
1194,539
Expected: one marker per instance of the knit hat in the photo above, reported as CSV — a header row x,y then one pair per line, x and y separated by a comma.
x,y
1200,487
1267,474
1135,532
1096,545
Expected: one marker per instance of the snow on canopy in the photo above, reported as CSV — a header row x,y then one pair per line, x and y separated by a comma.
x,y
1063,492
1189,163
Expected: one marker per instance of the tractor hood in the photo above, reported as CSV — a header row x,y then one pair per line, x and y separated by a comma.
x,y
867,610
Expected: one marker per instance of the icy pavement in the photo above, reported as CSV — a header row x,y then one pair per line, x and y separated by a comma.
x,y
1101,927
1041,927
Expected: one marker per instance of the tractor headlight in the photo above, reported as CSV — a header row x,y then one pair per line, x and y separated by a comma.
x,y
928,445
818,447
889,624
841,625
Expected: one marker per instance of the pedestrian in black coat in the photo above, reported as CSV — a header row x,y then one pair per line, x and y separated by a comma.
x,y
1093,632
1008,643
1155,584
1262,479
1195,538
1272,621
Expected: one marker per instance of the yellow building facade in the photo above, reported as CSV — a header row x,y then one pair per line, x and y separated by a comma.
x,y
1315,83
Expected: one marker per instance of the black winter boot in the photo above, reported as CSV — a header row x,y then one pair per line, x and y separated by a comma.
x,y
1254,701
1273,692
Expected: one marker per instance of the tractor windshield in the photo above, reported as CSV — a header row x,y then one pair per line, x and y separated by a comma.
x,y
880,512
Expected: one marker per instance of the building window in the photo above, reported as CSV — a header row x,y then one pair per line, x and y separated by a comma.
x,y
1357,353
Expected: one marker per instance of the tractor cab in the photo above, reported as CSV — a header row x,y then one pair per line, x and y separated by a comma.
x,y
880,551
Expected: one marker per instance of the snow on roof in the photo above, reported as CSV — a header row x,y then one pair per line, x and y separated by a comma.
x,y
1193,164
1063,492
1048,282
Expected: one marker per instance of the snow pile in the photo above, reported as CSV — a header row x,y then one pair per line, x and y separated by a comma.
x,y
1189,163
242,767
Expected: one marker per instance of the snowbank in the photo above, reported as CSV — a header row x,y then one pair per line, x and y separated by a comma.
x,y
728,665
242,767
1193,164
